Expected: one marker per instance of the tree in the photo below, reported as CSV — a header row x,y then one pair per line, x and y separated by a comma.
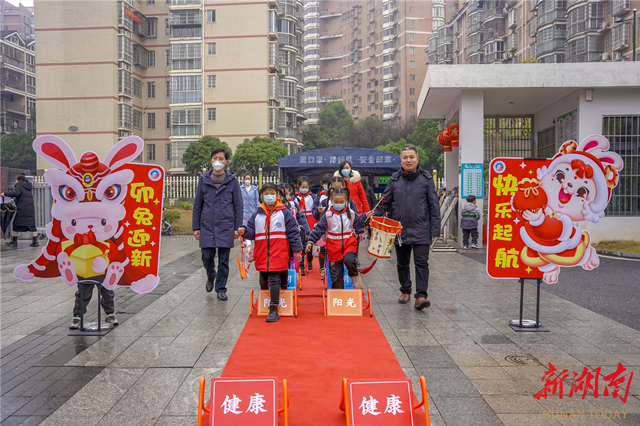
x,y
334,122
198,155
17,151
313,138
396,148
426,137
368,133
259,152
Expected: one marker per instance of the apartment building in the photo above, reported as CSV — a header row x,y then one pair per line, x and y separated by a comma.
x,y
368,54
555,31
16,18
169,71
17,83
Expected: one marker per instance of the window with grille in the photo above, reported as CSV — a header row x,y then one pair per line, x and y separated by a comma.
x,y
211,81
412,37
211,49
211,114
137,88
167,58
412,77
186,88
151,152
151,90
125,82
167,118
185,122
623,133
211,16
412,91
152,58
137,119
125,116
151,121
547,143
167,151
620,36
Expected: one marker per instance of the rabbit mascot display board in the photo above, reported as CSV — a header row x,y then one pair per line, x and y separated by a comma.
x,y
106,218
535,207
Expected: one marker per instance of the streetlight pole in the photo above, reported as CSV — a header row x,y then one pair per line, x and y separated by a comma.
x,y
635,20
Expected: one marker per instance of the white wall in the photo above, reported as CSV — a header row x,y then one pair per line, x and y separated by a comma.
x,y
614,228
545,118
605,102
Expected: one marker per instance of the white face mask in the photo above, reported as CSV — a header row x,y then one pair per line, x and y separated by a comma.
x,y
247,183
217,165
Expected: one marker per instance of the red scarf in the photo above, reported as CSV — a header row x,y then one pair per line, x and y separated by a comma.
x,y
302,203
269,211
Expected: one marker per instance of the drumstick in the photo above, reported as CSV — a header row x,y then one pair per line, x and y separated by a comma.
x,y
373,209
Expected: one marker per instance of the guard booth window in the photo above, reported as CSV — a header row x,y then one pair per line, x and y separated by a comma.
x,y
623,133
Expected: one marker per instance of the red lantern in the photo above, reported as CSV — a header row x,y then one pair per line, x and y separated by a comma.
x,y
454,134
442,140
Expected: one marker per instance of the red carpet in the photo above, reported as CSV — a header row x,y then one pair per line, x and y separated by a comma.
x,y
314,354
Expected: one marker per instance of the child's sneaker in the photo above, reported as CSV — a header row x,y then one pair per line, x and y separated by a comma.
x,y
75,324
465,247
474,246
111,318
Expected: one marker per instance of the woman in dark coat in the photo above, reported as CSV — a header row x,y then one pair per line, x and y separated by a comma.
x,y
371,196
25,220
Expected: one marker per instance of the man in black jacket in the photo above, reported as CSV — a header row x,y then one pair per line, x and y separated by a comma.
x,y
411,198
25,220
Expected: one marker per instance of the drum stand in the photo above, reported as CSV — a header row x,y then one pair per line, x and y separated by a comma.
x,y
93,329
440,243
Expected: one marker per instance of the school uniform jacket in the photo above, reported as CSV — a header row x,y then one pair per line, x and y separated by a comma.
x,y
306,203
341,232
294,208
271,252
326,203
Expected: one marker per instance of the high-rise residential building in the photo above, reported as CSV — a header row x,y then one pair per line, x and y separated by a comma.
x,y
17,83
514,31
171,72
368,54
16,18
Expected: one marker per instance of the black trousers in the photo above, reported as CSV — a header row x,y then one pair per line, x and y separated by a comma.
x,y
465,236
274,281
83,297
421,261
322,257
208,260
337,269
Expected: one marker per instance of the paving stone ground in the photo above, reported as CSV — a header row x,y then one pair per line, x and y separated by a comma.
x,y
147,370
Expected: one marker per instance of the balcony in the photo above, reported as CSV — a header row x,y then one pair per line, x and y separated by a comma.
x,y
620,7
274,88
12,107
620,37
330,13
13,62
512,42
512,19
326,56
185,2
330,34
274,57
287,133
185,17
433,58
332,98
330,76
472,28
550,16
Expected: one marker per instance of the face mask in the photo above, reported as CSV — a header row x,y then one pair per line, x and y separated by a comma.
x,y
304,190
338,207
345,172
247,183
325,187
270,199
217,166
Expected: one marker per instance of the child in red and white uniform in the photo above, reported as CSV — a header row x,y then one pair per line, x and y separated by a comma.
x,y
306,199
578,185
275,231
342,226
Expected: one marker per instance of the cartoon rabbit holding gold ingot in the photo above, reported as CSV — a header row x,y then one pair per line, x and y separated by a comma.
x,y
85,236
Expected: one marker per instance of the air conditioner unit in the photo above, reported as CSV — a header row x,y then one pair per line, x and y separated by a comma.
x,y
355,117
355,94
355,105
372,90
372,43
605,57
372,54
372,31
618,55
604,25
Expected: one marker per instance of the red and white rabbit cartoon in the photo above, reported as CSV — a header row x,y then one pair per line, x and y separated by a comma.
x,y
578,184
89,206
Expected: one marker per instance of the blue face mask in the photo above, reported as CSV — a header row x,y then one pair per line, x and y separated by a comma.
x,y
304,190
338,207
270,199
345,172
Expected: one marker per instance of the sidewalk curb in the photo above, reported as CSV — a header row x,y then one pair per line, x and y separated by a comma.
x,y
619,254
